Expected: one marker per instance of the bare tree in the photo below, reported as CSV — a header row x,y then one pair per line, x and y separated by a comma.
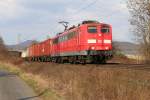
x,y
3,50
140,20
2,46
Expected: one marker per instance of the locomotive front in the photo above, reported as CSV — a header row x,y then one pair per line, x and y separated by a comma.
x,y
96,40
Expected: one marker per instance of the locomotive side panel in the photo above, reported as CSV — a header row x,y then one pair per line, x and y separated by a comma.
x,y
48,47
36,49
70,45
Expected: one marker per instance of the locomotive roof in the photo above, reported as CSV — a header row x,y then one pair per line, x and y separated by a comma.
x,y
89,22
83,23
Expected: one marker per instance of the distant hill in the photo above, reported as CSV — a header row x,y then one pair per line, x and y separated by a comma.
x,y
21,46
125,47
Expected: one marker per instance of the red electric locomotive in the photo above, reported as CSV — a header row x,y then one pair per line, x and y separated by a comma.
x,y
89,42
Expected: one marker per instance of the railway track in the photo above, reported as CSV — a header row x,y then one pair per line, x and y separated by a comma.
x,y
124,66
107,65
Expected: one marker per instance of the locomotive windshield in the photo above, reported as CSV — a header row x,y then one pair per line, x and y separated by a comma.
x,y
92,29
105,29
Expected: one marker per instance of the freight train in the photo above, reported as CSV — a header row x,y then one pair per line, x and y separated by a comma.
x,y
89,42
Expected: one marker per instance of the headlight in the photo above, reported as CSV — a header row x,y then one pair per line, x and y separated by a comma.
x,y
107,41
91,40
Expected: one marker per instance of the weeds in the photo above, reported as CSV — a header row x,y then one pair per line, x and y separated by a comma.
x,y
78,82
35,81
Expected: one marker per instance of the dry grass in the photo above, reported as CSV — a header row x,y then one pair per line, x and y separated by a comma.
x,y
78,82
88,82
35,81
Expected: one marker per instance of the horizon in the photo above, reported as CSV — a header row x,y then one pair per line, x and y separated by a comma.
x,y
41,41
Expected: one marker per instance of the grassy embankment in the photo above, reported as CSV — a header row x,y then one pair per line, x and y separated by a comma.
x,y
90,82
35,81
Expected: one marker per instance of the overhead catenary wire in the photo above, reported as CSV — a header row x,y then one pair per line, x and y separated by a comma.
x,y
35,37
82,9
102,14
87,6
55,27
78,11
70,19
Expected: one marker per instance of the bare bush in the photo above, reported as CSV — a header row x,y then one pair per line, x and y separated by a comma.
x,y
3,51
91,82
140,13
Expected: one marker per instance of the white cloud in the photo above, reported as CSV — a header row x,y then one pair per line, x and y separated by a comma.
x,y
8,8
121,7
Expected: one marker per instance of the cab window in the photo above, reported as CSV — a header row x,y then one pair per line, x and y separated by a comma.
x,y
105,29
92,29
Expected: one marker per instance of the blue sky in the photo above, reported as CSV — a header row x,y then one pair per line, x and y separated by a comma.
x,y
37,19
